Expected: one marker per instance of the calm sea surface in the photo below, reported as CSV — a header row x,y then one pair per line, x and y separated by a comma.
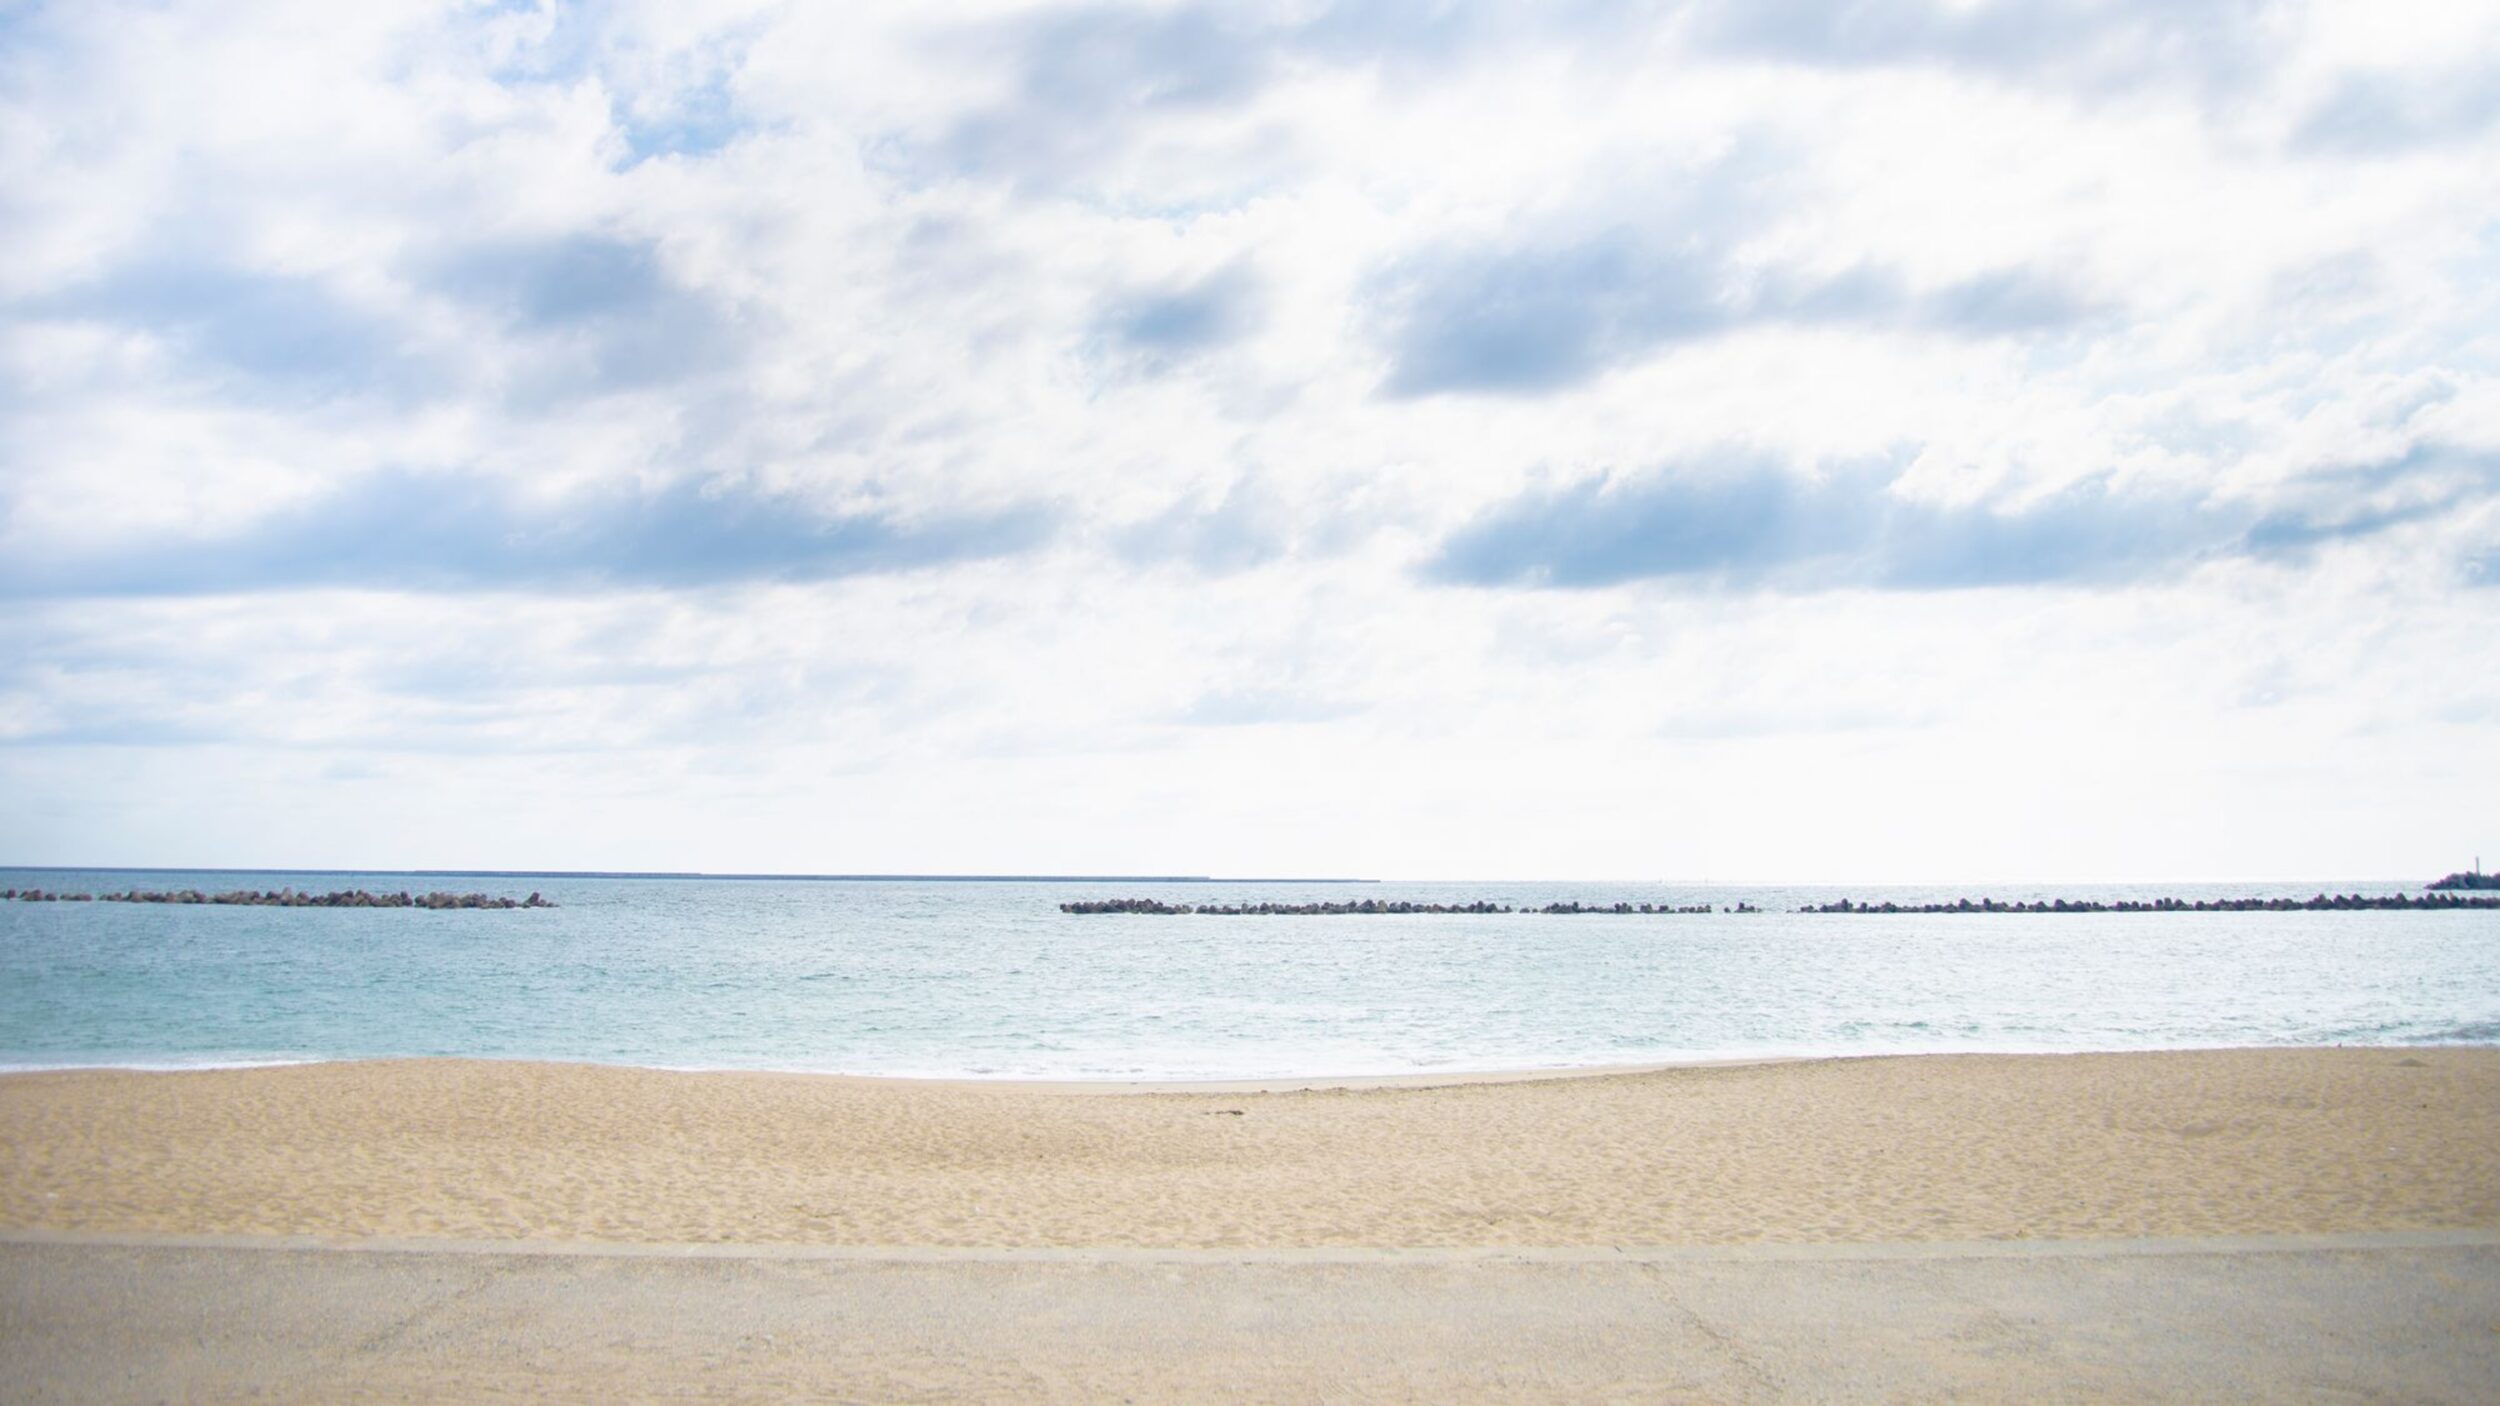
x,y
991,980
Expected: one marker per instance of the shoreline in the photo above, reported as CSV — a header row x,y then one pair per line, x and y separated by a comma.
x,y
1276,1084
1973,1147
1213,1084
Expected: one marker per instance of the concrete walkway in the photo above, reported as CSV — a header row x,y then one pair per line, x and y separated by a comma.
x,y
2346,1318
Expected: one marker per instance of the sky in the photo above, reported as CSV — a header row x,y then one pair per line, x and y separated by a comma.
x,y
1842,440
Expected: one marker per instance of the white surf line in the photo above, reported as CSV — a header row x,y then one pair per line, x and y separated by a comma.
x,y
1798,1251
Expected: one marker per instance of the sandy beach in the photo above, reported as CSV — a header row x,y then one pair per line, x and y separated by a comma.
x,y
1934,1148
2246,1224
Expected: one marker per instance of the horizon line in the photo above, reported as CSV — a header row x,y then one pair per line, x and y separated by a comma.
x,y
1005,878
676,874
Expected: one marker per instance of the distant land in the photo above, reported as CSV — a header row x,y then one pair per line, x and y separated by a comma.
x,y
2470,879
681,874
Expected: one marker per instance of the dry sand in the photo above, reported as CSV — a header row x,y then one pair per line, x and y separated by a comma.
x,y
2239,1142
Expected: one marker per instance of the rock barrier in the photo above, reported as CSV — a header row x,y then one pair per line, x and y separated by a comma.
x,y
2321,903
1368,906
2337,903
283,898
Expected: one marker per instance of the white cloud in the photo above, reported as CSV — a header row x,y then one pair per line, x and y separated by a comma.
x,y
1019,438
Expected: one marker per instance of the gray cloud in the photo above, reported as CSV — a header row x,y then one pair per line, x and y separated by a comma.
x,y
2294,534
1745,522
1087,83
559,283
2000,302
1534,318
2347,503
2381,113
2103,44
289,335
433,532
597,313
1085,76
589,315
1084,81
1154,329
1247,527
1422,39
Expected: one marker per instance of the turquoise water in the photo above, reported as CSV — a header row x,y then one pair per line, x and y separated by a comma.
x,y
991,980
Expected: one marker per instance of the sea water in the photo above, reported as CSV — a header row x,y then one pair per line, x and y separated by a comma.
x,y
990,980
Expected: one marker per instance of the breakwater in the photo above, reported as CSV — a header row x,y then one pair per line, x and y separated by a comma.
x,y
2321,903
1368,906
283,898
2469,879
1159,908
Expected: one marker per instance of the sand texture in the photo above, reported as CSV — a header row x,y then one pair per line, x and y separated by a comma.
x,y
2046,1322
1931,1148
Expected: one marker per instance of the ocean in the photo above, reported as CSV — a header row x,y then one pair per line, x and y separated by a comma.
x,y
988,979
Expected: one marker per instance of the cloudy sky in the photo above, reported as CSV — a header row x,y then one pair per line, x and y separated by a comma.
x,y
1736,439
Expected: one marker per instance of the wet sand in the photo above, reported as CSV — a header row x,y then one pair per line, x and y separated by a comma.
x,y
1932,1148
